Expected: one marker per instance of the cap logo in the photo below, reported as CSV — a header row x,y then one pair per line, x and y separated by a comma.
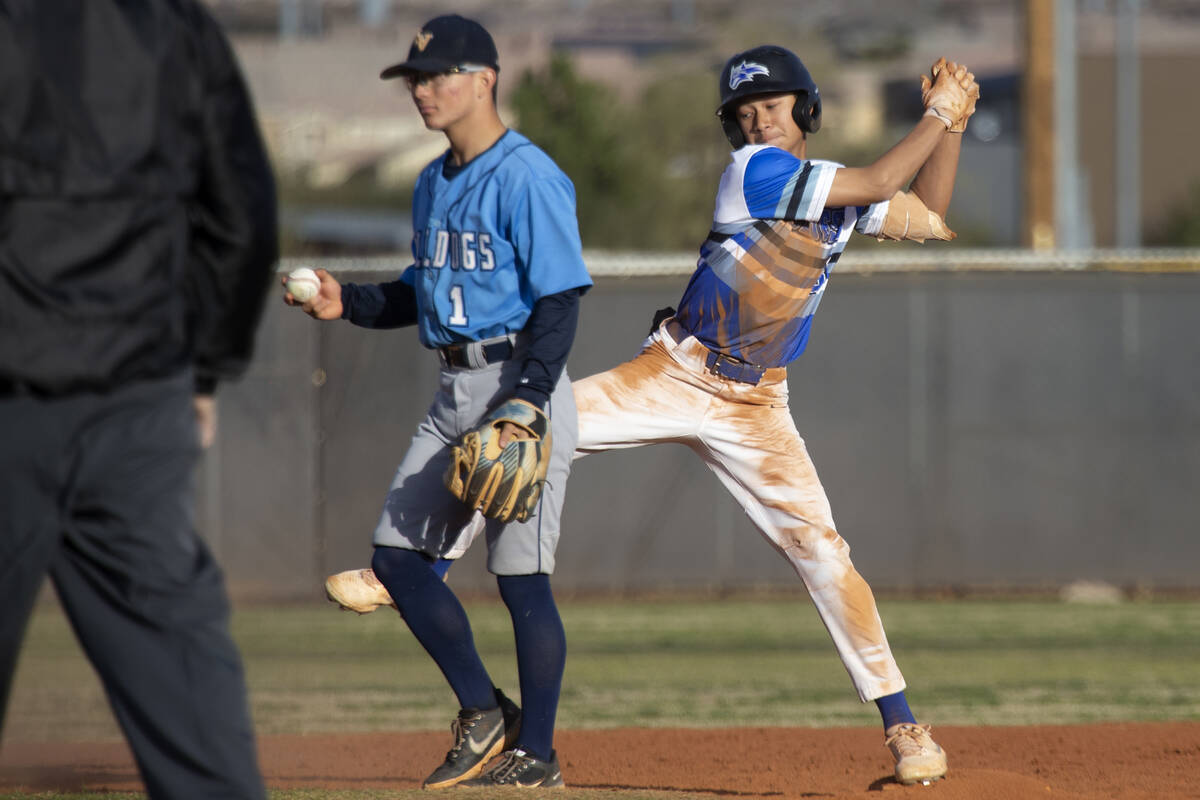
x,y
746,72
422,40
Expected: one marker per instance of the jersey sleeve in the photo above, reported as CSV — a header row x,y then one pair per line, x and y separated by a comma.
x,y
380,305
545,238
870,218
551,328
777,185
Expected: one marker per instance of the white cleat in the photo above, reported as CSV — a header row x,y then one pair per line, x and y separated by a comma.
x,y
357,590
919,759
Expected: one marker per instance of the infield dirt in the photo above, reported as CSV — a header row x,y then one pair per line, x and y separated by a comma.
x,y
1114,761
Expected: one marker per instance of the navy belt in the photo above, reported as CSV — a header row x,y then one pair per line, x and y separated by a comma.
x,y
719,364
460,355
734,368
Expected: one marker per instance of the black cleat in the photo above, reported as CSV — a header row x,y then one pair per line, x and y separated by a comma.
x,y
478,738
521,770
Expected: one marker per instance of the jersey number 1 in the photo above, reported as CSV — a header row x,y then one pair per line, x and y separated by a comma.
x,y
459,314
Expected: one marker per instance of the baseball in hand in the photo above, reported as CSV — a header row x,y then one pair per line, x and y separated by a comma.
x,y
303,284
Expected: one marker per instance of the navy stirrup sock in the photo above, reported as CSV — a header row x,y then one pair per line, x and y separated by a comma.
x,y
438,621
541,657
894,710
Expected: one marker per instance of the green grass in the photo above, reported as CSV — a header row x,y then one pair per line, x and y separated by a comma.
x,y
674,663
678,663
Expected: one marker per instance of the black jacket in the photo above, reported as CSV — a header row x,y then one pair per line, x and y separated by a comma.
x,y
137,205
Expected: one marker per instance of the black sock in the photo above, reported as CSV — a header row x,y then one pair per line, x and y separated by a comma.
x,y
438,621
541,657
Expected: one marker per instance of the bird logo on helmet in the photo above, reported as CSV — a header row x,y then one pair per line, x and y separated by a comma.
x,y
746,71
767,69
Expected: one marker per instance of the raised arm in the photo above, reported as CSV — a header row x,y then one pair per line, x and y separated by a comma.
x,y
935,180
949,98
934,183
861,186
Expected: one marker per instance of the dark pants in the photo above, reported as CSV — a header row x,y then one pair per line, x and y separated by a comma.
x,y
96,490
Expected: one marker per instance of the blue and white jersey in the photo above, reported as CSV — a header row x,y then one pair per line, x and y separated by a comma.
x,y
491,241
764,266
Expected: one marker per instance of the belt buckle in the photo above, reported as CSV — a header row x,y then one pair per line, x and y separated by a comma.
x,y
734,369
453,355
718,360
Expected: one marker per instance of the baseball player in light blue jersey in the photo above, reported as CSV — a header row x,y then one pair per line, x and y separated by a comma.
x,y
494,288
712,374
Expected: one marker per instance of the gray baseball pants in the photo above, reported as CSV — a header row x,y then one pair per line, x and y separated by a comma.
x,y
419,513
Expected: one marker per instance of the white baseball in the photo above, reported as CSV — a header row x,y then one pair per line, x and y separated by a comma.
x,y
303,284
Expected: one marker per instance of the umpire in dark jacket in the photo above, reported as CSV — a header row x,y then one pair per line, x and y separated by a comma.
x,y
137,243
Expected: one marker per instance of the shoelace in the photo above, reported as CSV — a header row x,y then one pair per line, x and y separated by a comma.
x,y
907,740
515,762
461,728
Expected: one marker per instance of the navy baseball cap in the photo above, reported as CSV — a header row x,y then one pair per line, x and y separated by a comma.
x,y
446,42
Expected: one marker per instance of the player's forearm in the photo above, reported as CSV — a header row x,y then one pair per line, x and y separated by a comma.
x,y
934,183
891,172
551,330
379,305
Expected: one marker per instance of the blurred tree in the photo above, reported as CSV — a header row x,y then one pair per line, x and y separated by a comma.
x,y
677,123
1182,226
579,124
644,175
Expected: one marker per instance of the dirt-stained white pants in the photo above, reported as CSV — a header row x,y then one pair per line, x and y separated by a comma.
x,y
745,434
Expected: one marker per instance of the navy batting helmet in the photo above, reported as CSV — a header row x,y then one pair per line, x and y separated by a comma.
x,y
765,70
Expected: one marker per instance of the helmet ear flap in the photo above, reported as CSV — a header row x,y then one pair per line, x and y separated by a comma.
x,y
733,131
807,112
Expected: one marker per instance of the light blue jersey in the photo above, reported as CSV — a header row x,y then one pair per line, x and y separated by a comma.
x,y
490,241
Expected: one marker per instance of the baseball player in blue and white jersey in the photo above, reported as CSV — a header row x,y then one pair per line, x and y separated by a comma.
x,y
494,288
712,374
